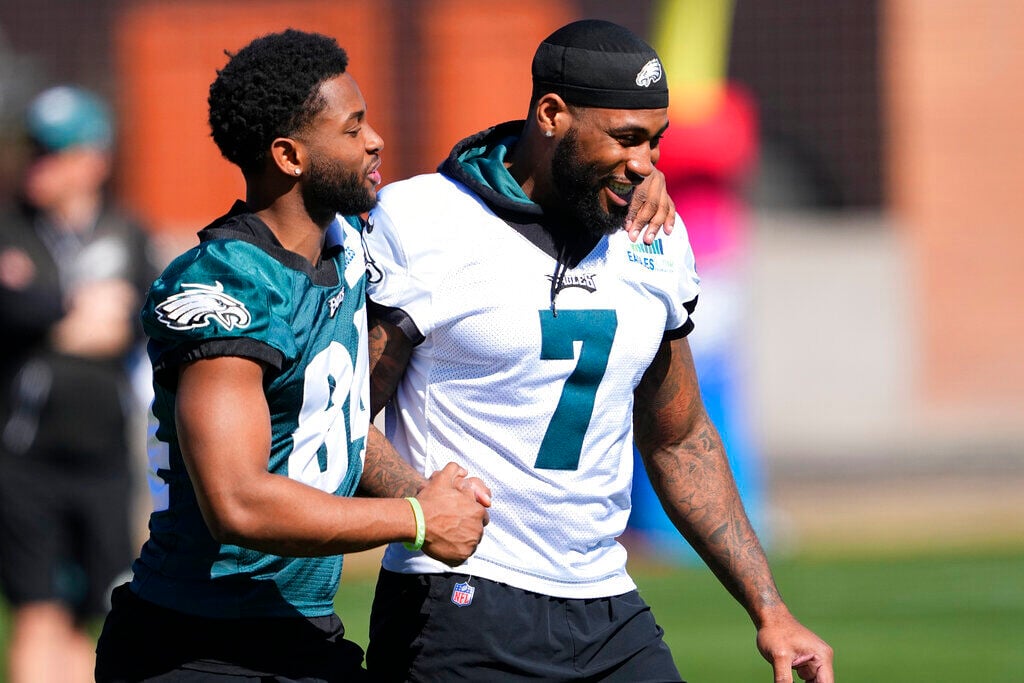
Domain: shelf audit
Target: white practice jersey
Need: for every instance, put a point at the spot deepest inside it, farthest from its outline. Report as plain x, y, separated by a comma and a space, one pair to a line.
525, 376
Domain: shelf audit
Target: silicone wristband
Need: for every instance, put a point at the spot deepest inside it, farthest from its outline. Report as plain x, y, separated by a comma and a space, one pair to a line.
421, 525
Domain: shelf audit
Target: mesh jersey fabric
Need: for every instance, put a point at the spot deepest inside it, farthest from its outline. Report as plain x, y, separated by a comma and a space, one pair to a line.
526, 384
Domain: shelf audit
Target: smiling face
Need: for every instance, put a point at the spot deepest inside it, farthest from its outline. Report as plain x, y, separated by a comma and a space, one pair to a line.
342, 151
601, 159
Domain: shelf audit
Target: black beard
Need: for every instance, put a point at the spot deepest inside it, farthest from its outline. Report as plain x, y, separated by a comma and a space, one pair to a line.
332, 189
578, 185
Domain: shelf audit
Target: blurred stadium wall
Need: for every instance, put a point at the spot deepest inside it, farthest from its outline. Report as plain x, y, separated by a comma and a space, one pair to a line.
884, 323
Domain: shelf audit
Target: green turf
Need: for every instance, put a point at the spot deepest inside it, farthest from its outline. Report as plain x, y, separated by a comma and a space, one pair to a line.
938, 618
926, 619
930, 618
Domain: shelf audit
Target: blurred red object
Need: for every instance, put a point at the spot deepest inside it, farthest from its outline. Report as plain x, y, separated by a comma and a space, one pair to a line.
723, 146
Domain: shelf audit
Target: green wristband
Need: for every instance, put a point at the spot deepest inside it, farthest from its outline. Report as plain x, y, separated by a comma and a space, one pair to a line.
421, 525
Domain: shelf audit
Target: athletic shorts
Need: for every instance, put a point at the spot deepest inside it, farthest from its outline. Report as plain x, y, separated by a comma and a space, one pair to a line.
142, 641
63, 537
449, 627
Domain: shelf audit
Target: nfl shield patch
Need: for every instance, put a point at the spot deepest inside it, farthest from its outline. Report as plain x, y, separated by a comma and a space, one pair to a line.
462, 594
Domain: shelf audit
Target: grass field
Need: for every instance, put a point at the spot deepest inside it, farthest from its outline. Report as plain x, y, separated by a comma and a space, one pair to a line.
928, 618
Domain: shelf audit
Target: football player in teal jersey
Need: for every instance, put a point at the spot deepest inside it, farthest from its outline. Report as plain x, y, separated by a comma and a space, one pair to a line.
259, 350
525, 336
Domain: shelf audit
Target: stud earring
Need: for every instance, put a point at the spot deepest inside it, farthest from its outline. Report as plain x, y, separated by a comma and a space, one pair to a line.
549, 134
298, 171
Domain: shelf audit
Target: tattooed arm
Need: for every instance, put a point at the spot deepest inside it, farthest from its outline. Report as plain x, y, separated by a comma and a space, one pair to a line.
690, 472
385, 473
390, 351
688, 467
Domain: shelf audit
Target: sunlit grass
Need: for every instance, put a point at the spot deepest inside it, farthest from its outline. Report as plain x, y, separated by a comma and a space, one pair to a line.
928, 617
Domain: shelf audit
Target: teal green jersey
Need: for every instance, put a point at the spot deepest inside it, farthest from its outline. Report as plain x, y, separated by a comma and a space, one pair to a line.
239, 293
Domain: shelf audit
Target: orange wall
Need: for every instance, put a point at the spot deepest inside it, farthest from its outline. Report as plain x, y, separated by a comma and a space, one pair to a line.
464, 65
167, 56
956, 165
477, 67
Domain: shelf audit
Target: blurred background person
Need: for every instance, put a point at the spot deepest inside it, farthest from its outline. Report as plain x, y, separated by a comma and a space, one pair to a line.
73, 270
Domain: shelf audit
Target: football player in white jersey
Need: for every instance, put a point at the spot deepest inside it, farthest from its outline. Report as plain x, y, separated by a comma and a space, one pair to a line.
517, 330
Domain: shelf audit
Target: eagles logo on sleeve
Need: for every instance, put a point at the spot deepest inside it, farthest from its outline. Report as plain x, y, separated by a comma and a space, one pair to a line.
198, 305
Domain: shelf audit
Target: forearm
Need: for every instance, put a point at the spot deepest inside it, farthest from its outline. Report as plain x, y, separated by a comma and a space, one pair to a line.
389, 352
695, 482
275, 514
385, 473
688, 468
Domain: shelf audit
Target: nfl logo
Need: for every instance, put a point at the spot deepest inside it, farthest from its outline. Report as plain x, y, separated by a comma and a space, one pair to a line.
462, 594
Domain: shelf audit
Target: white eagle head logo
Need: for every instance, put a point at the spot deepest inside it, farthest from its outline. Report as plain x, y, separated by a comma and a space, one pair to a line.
650, 73
198, 304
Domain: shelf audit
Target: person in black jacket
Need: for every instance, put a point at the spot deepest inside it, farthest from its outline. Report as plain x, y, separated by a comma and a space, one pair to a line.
73, 271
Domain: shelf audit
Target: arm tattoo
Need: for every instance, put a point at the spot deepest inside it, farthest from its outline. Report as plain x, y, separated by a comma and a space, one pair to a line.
385, 474
688, 467
389, 354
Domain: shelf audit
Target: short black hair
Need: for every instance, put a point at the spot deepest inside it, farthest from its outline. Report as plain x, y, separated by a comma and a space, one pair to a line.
269, 89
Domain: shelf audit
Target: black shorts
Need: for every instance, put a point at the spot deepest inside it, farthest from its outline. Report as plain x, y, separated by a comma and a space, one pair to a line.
141, 641
419, 632
63, 536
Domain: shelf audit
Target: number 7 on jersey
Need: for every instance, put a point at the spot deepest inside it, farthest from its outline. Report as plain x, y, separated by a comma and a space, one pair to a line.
595, 329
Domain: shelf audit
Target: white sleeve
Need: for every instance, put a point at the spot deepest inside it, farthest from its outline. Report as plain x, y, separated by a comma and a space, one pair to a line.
391, 282
687, 287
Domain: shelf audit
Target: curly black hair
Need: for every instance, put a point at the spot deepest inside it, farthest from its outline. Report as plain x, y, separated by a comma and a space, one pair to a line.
269, 89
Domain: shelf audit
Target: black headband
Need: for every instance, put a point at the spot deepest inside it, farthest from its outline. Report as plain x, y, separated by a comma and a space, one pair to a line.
593, 63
